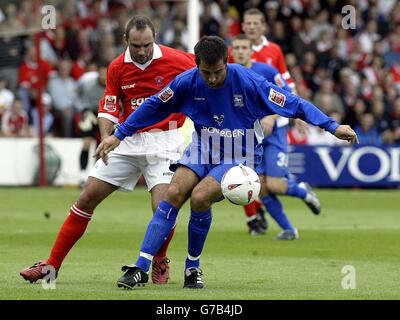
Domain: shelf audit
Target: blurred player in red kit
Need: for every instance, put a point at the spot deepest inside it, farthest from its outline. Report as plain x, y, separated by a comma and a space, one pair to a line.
265, 51
141, 71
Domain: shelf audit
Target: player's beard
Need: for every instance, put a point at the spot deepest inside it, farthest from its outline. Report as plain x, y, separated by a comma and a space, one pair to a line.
142, 59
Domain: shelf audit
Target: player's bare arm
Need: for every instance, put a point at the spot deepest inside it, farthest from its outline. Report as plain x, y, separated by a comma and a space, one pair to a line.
106, 128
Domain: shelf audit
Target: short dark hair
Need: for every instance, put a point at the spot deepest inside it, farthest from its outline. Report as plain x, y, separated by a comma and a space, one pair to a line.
211, 49
140, 23
241, 36
254, 12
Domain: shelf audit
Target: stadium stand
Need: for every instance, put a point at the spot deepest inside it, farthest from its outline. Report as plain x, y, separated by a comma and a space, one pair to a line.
347, 71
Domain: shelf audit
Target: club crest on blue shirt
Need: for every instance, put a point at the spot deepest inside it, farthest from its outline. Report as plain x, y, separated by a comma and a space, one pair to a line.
277, 97
219, 119
166, 94
238, 100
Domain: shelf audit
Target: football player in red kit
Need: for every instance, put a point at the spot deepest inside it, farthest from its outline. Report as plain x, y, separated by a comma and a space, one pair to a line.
141, 71
264, 51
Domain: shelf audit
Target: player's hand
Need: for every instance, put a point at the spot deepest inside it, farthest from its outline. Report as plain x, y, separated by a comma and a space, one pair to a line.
345, 132
106, 146
267, 124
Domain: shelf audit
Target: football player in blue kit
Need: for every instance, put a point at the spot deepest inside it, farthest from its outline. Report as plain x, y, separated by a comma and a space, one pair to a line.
225, 103
273, 170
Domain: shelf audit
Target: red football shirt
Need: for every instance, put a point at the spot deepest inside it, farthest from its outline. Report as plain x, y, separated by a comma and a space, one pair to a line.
131, 83
271, 53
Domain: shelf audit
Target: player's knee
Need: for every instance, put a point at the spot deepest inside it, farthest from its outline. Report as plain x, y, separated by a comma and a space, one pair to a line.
276, 186
271, 186
86, 201
200, 201
175, 196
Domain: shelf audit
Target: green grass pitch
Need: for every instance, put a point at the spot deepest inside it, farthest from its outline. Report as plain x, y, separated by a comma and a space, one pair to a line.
357, 228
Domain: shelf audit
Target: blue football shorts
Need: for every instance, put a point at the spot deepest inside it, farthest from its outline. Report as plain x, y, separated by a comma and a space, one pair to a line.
274, 161
192, 159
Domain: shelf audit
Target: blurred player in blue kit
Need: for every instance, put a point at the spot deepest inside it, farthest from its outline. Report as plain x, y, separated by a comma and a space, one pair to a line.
273, 170
225, 103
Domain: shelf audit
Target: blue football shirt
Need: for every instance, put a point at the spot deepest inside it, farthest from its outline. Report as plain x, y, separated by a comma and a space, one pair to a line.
229, 113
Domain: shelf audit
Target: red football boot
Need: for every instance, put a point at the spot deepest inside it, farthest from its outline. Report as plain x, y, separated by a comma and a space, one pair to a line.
160, 270
38, 271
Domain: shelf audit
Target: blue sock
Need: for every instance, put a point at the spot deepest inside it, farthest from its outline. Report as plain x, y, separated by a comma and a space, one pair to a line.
198, 228
157, 232
275, 209
294, 190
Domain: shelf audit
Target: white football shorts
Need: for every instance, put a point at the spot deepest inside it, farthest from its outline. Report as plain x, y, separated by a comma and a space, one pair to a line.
147, 153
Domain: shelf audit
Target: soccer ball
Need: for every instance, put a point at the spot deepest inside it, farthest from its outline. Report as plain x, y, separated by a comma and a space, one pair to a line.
240, 185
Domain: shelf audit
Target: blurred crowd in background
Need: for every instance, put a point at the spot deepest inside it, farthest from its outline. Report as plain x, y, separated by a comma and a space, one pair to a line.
351, 74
